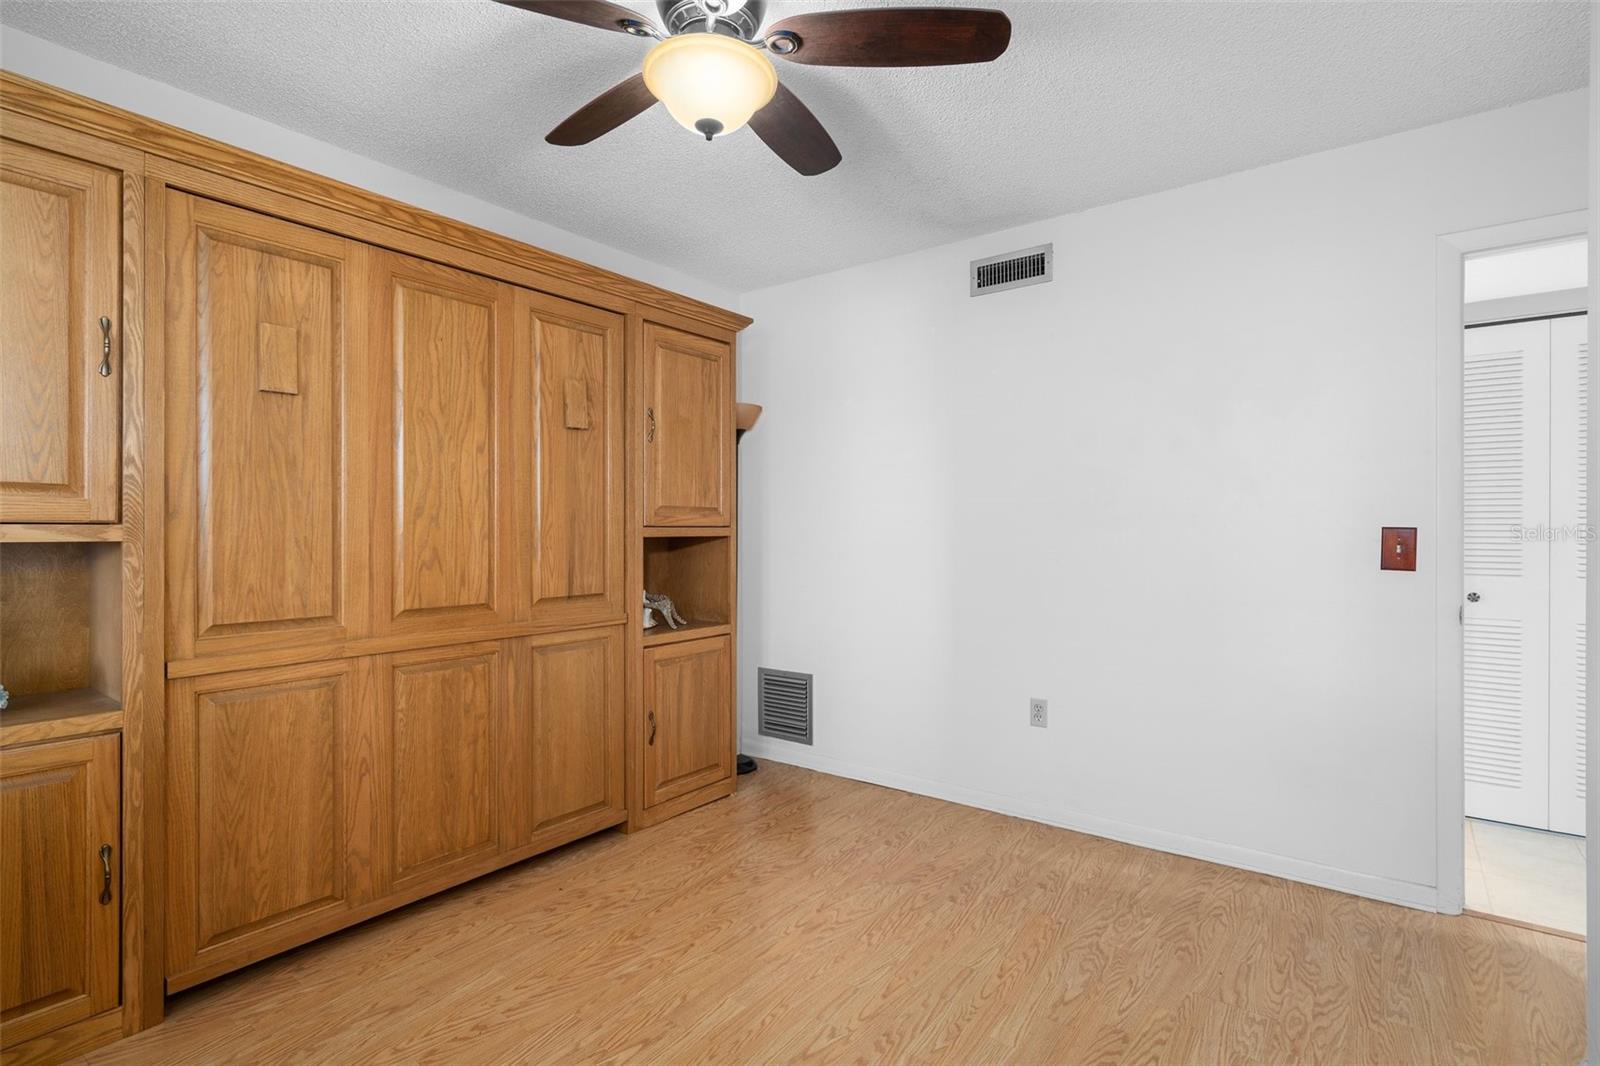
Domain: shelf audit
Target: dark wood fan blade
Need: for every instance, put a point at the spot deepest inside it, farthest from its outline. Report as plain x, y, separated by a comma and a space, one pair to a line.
894, 37
596, 13
604, 113
791, 130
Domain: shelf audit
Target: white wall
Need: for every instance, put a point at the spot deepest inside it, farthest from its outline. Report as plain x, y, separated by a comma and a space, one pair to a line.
1150, 492
1592, 793
33, 57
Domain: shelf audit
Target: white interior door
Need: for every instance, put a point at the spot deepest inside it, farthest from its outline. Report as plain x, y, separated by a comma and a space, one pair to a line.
1569, 518
1506, 619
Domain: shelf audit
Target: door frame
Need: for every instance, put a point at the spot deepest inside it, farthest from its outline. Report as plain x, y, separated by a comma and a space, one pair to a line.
1452, 250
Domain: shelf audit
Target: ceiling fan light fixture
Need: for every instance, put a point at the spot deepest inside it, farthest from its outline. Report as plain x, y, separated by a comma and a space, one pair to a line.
709, 81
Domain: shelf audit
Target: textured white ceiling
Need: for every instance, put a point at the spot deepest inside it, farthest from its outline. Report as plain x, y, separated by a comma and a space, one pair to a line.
1094, 102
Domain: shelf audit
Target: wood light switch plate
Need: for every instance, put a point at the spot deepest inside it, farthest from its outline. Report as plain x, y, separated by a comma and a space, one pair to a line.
1399, 548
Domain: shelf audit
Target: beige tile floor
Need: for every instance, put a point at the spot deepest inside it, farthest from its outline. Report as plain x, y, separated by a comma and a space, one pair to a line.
1526, 874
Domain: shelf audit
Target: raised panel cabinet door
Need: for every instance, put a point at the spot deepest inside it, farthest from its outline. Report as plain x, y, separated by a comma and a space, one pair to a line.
60, 884
268, 772
441, 786
441, 427
269, 465
688, 429
688, 721
563, 773
570, 459
60, 254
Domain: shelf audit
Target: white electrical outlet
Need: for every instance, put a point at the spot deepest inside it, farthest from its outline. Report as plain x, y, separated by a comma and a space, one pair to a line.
1039, 713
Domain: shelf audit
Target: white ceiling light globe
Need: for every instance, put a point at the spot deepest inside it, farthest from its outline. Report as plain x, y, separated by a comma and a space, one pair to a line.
710, 83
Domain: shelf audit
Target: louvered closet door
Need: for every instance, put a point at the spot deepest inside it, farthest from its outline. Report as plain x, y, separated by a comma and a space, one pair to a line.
1569, 518
1506, 622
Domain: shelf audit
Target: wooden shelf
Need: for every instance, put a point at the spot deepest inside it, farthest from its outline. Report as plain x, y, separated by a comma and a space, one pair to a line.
65, 533
687, 531
54, 715
690, 631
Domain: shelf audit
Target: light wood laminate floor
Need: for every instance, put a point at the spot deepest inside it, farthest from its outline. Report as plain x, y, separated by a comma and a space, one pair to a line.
814, 918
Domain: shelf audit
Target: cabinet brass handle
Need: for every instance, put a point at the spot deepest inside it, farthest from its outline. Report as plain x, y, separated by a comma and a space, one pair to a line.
649, 425
105, 346
105, 867
652, 717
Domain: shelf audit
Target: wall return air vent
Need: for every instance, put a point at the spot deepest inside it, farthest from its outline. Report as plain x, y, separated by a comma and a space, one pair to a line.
783, 705
1013, 270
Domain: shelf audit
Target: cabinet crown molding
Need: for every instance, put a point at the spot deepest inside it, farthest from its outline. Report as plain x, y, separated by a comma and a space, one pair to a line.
36, 99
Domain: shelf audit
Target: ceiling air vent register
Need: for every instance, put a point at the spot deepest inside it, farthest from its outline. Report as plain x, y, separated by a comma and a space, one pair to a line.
1013, 270
783, 705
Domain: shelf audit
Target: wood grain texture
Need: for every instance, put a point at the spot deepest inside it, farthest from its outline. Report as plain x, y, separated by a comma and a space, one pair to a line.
57, 716
444, 745
441, 426
44, 626
689, 433
696, 572
268, 541
53, 533
58, 806
60, 256
37, 100
269, 809
811, 918
688, 717
569, 488
563, 764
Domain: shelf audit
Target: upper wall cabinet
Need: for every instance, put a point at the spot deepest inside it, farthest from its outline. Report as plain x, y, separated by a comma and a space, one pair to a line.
569, 459
441, 414
688, 428
60, 241
266, 442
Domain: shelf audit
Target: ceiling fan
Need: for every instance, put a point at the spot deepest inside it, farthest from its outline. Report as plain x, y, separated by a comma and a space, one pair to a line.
710, 65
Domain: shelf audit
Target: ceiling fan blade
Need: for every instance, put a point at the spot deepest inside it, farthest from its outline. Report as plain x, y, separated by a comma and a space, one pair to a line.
894, 37
604, 113
790, 129
596, 13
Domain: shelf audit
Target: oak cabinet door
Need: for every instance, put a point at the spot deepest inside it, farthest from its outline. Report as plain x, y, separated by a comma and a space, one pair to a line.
688, 728
688, 429
440, 787
60, 255
441, 423
266, 448
563, 774
268, 775
570, 454
60, 884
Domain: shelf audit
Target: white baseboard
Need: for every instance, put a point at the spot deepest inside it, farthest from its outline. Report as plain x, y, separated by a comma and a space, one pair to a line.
1389, 890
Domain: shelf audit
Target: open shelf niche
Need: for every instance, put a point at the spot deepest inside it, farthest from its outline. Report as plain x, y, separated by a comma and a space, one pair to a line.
60, 635
697, 573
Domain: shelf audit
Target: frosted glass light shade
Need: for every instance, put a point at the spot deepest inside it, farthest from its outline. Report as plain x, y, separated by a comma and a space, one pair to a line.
710, 83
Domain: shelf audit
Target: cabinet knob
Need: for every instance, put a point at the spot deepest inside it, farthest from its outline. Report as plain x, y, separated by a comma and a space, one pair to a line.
105, 348
105, 867
649, 425
652, 718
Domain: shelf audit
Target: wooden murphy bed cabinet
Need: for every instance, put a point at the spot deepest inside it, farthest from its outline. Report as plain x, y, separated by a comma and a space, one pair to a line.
327, 596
